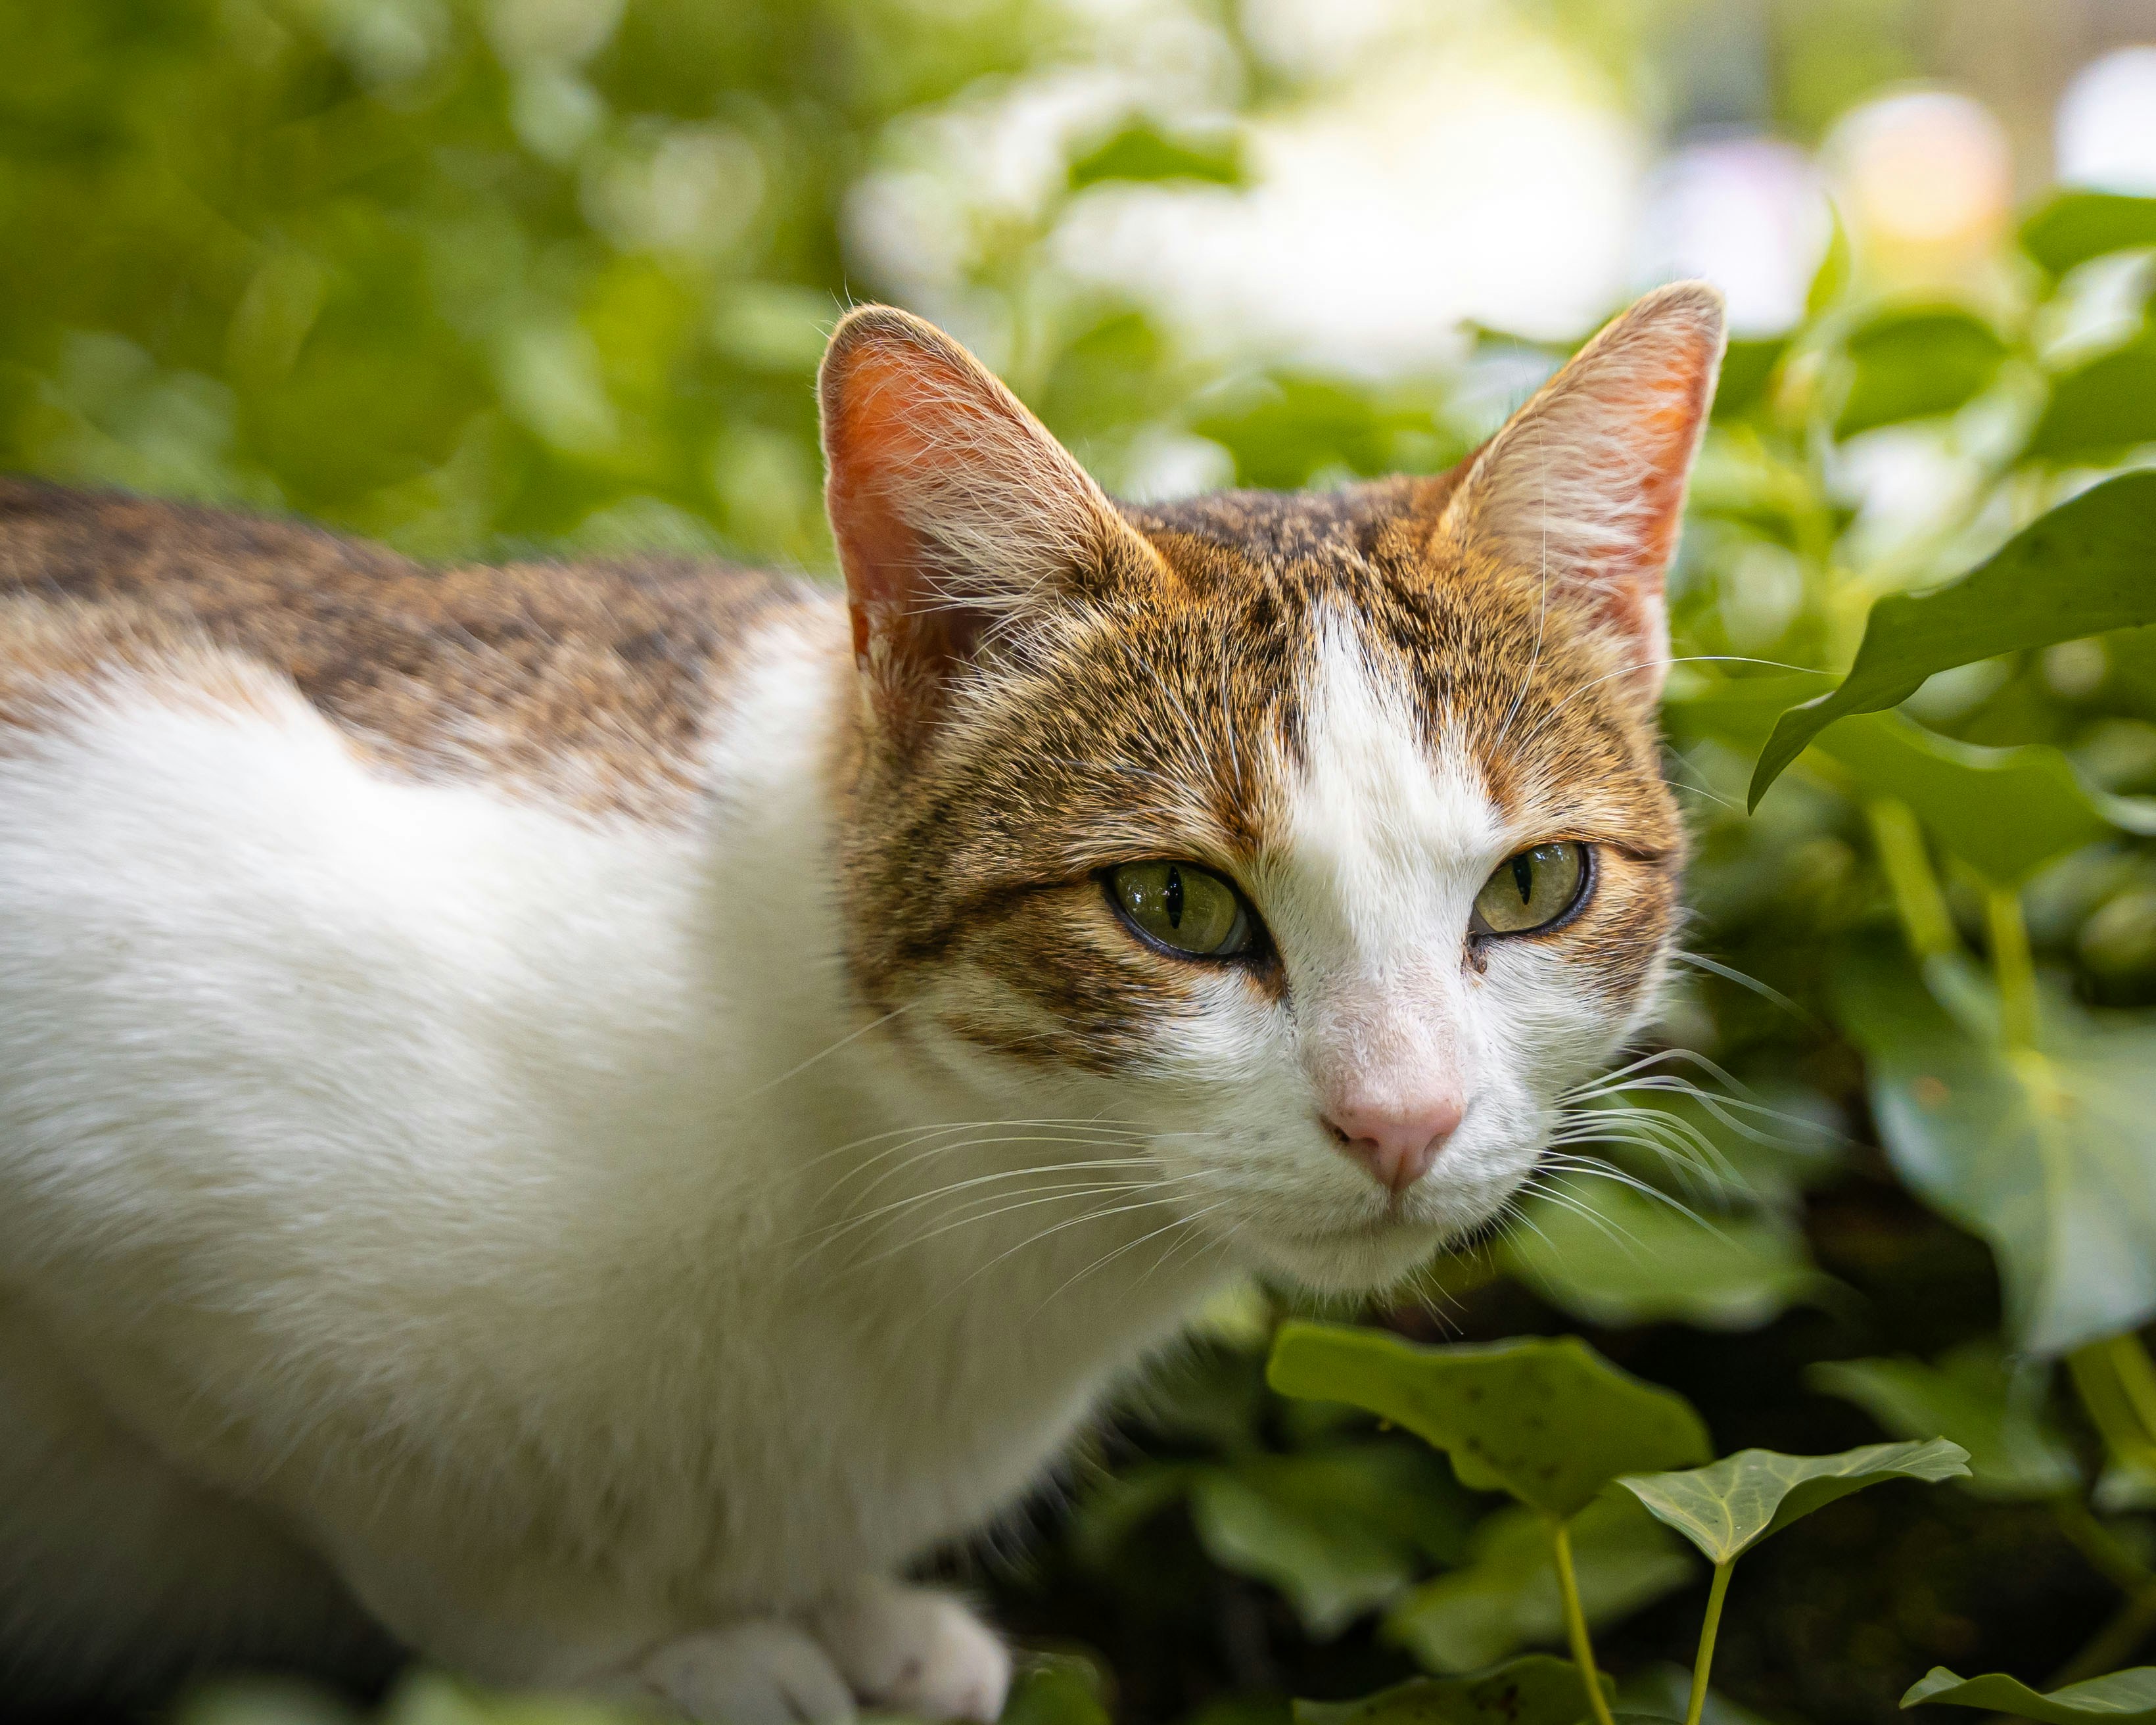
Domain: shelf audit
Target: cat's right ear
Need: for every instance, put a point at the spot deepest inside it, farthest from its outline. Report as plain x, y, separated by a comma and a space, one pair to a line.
954, 509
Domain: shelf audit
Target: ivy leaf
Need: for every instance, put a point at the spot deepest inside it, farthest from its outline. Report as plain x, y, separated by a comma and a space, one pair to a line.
1610, 1255
1506, 1596
2123, 1698
2049, 1154
2086, 567
1974, 1397
1550, 1421
2100, 407
2075, 226
1916, 362
1536, 1690
1729, 1506
1957, 788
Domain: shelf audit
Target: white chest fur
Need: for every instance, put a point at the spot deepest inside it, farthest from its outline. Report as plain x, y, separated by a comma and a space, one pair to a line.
440, 1175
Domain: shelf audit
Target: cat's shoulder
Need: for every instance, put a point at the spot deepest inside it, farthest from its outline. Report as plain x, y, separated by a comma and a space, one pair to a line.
595, 682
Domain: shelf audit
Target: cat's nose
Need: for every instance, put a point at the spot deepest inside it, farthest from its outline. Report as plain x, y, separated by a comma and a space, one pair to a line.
1396, 1139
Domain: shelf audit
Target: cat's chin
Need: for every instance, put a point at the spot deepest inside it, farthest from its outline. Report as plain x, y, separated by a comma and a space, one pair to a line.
1361, 1258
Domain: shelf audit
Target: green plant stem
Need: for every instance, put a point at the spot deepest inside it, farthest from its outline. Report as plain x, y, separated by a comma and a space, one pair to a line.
1707, 1630
2106, 1556
1918, 901
1575, 1619
2137, 1377
2130, 1625
2011, 967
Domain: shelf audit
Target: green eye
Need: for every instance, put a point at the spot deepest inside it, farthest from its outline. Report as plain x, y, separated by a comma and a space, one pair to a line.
1185, 908
1533, 889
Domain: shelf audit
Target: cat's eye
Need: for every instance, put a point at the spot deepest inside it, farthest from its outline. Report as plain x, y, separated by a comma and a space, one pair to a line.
1187, 909
1538, 887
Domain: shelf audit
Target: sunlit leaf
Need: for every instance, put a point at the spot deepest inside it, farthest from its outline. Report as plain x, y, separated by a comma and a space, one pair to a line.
1506, 1596
1729, 1506
1974, 1397
2101, 407
1144, 152
2048, 1153
1958, 790
1550, 1421
2085, 568
1609, 1255
2075, 226
1747, 366
2123, 1698
1909, 363
1536, 1690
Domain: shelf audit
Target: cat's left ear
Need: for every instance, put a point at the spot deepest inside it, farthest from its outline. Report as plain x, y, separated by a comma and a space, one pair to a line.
955, 509
1585, 484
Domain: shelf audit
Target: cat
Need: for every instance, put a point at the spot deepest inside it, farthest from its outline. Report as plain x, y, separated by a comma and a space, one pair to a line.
577, 1121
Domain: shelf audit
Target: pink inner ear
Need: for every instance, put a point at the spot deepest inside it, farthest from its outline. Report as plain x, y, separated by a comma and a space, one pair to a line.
1586, 483
881, 430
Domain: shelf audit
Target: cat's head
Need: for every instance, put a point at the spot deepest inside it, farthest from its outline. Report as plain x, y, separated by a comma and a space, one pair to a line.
1321, 837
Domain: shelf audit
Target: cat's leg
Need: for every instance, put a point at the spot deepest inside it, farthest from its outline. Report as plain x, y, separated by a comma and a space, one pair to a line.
759, 1672
917, 1650
908, 1650
117, 1571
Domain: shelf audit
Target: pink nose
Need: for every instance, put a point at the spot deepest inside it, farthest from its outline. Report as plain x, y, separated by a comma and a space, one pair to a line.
1396, 1140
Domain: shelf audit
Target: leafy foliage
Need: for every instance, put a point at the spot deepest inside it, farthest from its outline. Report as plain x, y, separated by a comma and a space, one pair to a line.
1552, 1422
1534, 1690
2039, 1149
2080, 570
1729, 1506
2124, 1697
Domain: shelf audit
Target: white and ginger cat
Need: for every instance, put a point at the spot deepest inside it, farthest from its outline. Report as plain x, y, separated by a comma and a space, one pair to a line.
577, 1119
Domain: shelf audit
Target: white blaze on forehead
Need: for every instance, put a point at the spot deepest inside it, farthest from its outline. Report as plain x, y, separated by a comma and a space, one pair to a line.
1389, 837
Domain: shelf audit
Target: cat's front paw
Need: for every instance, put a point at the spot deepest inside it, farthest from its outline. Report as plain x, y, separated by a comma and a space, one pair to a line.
915, 1651
761, 1672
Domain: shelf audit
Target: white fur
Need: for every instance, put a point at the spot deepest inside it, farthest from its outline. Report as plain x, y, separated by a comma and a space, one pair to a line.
1369, 907
505, 1221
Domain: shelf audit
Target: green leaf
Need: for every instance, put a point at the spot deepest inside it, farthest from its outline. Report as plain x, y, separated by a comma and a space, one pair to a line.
2087, 567
2101, 407
1536, 1690
1550, 1421
2123, 1698
1973, 1396
1506, 1596
2075, 226
1338, 1531
2049, 1154
1662, 1690
1747, 366
1056, 1689
1610, 1254
1913, 362
1144, 152
1958, 789
1728, 1507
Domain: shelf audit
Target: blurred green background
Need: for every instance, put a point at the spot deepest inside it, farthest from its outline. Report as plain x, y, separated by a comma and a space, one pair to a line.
482, 277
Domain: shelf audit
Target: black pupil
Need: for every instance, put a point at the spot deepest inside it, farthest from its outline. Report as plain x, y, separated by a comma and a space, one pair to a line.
1523, 877
1173, 898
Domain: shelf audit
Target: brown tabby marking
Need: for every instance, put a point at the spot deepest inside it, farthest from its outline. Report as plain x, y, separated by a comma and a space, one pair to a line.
591, 683
1148, 722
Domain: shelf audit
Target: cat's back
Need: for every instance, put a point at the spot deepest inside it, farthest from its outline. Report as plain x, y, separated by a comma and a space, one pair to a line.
594, 684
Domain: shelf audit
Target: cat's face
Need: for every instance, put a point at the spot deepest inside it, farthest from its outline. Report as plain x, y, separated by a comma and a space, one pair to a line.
1322, 837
